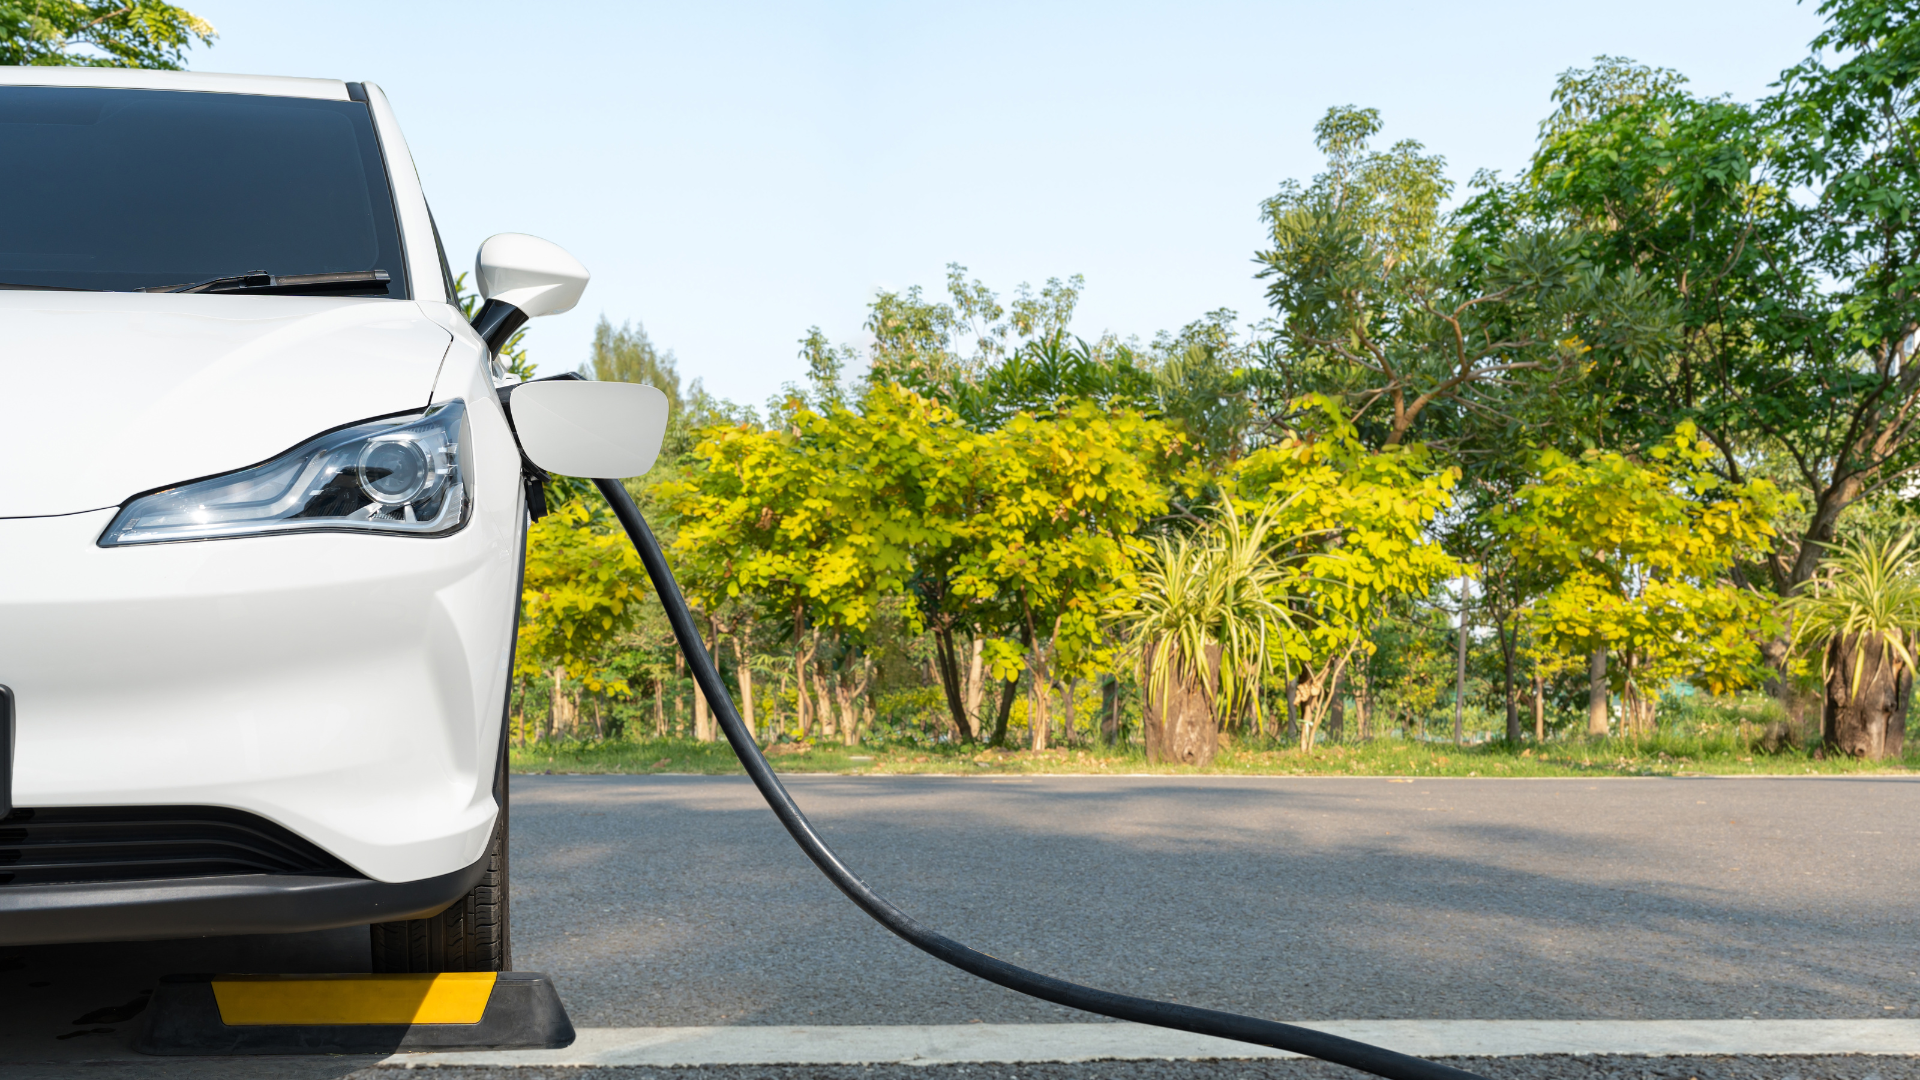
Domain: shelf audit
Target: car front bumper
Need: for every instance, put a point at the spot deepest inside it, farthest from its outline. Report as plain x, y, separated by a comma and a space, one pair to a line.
349, 688
220, 905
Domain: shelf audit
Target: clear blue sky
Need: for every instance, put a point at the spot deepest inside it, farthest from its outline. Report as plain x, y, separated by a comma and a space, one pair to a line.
735, 173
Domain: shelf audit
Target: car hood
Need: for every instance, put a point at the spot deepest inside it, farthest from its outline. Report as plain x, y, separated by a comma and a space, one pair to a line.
105, 395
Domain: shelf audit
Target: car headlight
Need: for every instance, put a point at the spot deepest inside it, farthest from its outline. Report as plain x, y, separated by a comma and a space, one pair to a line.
406, 475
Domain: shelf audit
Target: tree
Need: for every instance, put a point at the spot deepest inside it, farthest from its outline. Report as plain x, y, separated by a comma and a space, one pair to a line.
1204, 629
628, 355
99, 33
1051, 543
1783, 235
1641, 550
1352, 527
1865, 606
1203, 382
819, 522
1385, 302
583, 589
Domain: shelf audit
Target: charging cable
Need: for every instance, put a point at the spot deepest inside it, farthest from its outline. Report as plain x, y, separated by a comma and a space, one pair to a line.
1298, 1040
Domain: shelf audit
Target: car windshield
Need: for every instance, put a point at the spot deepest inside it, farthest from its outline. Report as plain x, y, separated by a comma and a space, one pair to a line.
132, 189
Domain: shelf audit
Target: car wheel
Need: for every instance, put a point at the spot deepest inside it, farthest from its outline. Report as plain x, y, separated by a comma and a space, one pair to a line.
471, 935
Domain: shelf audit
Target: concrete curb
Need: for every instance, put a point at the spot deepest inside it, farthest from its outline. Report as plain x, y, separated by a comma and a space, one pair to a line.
962, 1043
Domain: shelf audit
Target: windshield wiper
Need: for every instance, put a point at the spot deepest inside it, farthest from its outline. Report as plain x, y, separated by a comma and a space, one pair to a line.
49, 288
259, 282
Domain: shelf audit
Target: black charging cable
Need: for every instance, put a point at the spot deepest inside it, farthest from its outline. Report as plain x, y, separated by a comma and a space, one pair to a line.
1299, 1040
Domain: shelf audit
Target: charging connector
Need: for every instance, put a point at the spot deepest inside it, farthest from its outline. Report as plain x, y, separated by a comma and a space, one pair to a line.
1247, 1029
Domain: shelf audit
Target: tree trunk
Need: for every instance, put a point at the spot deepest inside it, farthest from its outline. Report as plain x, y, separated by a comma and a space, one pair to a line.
1337, 711
745, 676
976, 682
803, 704
1539, 705
1509, 644
1460, 671
1317, 694
1008, 691
1872, 722
1038, 720
1109, 710
557, 704
1067, 718
850, 698
659, 708
947, 665
844, 694
679, 665
706, 730
1636, 706
1597, 693
823, 701
702, 725
1179, 724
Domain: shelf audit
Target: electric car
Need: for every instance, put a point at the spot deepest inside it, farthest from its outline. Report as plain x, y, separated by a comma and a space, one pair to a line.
262, 521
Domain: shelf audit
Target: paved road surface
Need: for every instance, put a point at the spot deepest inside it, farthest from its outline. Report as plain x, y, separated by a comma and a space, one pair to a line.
676, 901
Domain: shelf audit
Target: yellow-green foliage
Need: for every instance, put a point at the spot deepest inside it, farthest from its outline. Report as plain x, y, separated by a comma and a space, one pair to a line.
826, 517
1063, 495
583, 586
1358, 519
1640, 549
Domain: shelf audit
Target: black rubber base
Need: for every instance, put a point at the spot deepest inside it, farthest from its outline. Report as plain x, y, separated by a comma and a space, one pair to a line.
523, 1013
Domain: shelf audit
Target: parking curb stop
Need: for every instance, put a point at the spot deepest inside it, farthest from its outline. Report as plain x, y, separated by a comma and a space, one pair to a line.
193, 1015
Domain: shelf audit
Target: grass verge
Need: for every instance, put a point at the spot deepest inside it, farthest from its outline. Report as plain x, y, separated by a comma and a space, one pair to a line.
1727, 754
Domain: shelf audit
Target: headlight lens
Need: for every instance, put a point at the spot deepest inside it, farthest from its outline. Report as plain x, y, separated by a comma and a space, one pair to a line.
404, 475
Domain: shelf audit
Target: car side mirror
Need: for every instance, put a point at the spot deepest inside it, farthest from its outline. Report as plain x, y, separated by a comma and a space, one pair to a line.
523, 277
598, 430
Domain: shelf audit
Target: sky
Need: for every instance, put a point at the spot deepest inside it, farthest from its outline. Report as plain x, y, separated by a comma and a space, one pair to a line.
733, 174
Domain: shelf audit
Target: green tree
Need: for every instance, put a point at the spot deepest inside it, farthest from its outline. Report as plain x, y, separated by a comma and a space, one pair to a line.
1052, 543
628, 355
1642, 551
1354, 529
99, 33
1205, 629
1386, 301
583, 590
818, 523
1865, 608
1784, 234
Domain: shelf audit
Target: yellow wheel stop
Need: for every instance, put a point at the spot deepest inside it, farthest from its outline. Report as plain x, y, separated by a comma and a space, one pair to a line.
451, 998
353, 1014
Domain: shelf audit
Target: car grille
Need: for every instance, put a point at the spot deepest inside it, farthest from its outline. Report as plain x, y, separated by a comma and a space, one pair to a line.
66, 845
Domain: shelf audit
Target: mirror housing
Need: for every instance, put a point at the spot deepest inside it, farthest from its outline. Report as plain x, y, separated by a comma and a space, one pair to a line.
598, 430
523, 277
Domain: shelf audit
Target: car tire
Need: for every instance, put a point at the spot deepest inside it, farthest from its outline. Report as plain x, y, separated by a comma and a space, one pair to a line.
471, 935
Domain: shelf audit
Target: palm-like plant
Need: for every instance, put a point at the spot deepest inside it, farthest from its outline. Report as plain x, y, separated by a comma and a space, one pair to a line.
1864, 607
1204, 625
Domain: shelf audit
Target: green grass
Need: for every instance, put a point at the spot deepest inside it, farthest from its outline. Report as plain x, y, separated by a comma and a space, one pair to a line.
1720, 752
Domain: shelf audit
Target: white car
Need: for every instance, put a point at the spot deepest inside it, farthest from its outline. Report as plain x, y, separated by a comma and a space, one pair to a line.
262, 520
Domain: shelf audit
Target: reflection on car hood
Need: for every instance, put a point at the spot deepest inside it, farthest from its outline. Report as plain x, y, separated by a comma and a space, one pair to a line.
104, 395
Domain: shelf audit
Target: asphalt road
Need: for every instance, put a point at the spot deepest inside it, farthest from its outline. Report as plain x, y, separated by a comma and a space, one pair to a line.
678, 901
